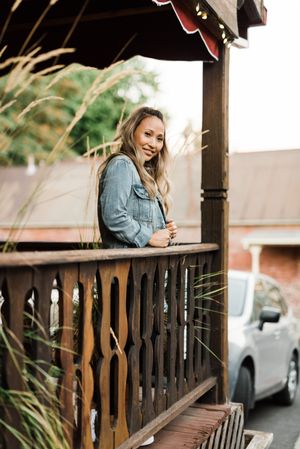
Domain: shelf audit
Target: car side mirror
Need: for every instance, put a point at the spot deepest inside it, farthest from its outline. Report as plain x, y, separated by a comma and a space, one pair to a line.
268, 315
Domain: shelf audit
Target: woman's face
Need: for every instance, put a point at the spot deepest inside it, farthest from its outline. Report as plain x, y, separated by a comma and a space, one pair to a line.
149, 137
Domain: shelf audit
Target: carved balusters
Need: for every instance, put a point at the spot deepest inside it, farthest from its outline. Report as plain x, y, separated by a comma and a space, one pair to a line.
203, 311
86, 279
112, 366
180, 353
107, 275
171, 332
147, 281
134, 415
69, 277
210, 318
190, 332
140, 348
17, 283
143, 311
43, 282
198, 320
121, 330
159, 302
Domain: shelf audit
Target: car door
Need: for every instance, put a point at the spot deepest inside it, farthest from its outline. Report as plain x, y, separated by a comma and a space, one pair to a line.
280, 330
265, 342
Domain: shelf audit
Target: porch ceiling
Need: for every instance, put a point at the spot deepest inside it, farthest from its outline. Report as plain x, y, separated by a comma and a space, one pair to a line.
108, 30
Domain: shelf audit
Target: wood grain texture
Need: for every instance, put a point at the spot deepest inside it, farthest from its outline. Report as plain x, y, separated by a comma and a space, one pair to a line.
17, 285
167, 416
204, 427
43, 279
171, 332
86, 279
75, 256
134, 360
226, 11
160, 335
214, 211
69, 278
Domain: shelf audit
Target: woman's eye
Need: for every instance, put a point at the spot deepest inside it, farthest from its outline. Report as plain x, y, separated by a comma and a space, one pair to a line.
147, 134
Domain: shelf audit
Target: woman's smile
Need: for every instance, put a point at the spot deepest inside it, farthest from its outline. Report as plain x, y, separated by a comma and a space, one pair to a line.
148, 152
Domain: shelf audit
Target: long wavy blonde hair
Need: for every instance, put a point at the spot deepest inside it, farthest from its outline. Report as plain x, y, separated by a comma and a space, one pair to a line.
153, 173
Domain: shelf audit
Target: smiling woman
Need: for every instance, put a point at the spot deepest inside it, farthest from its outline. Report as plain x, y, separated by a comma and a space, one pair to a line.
134, 188
149, 137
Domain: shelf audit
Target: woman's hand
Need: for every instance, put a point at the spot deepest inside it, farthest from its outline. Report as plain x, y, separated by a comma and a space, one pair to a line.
160, 238
171, 226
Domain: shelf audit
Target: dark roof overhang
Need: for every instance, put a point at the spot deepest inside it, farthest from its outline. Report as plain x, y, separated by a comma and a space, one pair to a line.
104, 31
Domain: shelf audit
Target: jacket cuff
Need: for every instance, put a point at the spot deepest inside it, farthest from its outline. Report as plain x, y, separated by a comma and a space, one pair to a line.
143, 236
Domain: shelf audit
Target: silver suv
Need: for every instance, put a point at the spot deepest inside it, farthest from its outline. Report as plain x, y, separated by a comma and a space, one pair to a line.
263, 341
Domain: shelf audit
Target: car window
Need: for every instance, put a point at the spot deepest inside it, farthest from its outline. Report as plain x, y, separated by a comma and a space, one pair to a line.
259, 300
275, 298
236, 296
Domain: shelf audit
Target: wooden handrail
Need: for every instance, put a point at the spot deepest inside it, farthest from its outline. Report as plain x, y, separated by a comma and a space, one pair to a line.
32, 258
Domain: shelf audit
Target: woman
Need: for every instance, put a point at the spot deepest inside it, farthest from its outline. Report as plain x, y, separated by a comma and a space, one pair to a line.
133, 186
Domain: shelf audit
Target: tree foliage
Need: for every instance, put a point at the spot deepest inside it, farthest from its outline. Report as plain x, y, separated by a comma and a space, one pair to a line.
35, 113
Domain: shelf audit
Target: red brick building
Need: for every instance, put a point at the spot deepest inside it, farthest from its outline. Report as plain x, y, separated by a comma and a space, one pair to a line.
264, 233
264, 213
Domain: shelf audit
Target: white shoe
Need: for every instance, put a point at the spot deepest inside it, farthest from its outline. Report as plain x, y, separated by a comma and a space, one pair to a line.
150, 440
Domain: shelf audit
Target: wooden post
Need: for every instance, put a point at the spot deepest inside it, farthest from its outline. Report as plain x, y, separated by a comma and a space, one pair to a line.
214, 210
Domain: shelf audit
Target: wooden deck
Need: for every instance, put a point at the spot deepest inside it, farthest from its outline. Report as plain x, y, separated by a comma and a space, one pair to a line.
203, 426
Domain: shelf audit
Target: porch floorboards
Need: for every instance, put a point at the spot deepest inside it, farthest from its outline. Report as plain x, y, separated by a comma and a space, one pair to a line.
201, 426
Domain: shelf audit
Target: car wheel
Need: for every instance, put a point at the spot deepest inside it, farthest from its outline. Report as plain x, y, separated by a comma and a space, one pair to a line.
287, 395
244, 390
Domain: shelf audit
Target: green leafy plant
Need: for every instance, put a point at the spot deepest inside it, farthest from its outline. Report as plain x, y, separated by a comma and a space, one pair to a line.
36, 108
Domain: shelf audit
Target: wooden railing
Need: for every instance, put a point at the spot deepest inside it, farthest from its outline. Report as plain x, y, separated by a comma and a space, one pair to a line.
133, 340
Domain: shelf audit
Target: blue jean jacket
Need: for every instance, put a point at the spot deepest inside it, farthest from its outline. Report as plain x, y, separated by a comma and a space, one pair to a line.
127, 215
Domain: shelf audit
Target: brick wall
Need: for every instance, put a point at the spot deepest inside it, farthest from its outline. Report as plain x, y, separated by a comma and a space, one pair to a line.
239, 259
282, 263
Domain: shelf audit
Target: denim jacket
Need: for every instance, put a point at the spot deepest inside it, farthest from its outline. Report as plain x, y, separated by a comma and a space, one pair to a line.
127, 215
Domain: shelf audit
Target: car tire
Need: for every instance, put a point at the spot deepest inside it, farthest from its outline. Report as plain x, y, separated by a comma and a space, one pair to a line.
244, 390
287, 395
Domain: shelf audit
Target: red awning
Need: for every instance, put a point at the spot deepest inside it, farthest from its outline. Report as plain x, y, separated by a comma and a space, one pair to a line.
191, 25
